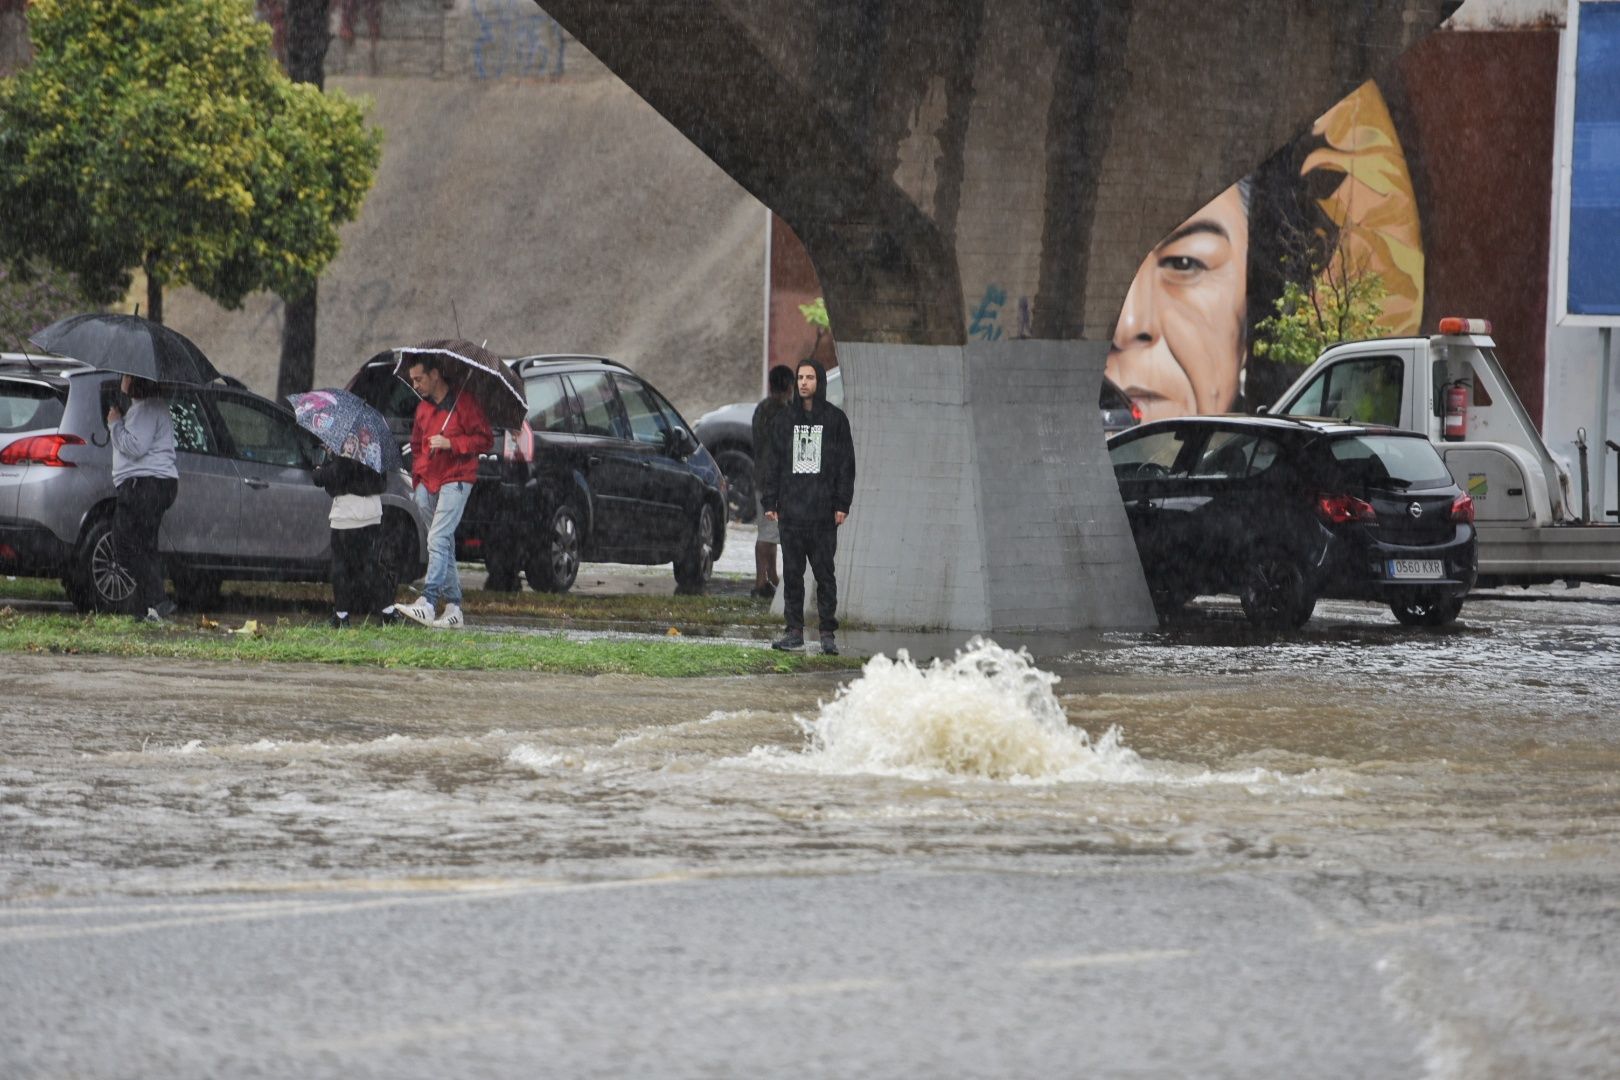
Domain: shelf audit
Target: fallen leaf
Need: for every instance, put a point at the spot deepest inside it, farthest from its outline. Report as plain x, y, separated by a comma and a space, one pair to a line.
672, 632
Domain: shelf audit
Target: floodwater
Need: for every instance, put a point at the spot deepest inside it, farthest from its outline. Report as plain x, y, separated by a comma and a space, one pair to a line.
1449, 802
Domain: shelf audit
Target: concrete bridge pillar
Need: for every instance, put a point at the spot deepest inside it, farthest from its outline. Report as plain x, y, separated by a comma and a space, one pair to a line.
974, 506
977, 182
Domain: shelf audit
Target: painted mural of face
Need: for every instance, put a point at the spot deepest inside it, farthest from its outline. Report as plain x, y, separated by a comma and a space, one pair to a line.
1179, 344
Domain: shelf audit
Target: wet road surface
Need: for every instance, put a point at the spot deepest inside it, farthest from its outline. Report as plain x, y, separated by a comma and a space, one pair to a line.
1356, 850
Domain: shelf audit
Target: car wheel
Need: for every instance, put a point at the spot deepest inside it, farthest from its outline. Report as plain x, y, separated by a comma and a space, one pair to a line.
1274, 592
738, 467
1426, 609
103, 583
1170, 598
693, 569
503, 560
196, 590
554, 564
397, 556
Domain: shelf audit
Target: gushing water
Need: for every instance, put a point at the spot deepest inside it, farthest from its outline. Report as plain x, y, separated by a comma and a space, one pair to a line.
986, 713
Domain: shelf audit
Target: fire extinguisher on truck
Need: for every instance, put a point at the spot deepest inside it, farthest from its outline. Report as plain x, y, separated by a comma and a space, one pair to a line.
1457, 410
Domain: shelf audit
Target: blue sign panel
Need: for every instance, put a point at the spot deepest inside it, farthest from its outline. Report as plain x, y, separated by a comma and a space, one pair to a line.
1594, 203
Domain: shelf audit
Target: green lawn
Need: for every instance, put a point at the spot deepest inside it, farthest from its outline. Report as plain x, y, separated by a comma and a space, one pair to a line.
397, 646
568, 609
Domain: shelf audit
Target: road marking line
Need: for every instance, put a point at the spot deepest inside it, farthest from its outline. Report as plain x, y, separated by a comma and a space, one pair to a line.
1405, 926
19, 934
1141, 956
784, 991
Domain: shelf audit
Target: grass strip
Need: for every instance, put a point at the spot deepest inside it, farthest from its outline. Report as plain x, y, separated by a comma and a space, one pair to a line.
395, 647
662, 610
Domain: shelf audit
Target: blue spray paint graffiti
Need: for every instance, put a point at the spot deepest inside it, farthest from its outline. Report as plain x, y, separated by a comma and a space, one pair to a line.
522, 45
988, 314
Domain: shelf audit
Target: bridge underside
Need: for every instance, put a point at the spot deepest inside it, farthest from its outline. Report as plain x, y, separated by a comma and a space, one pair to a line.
931, 154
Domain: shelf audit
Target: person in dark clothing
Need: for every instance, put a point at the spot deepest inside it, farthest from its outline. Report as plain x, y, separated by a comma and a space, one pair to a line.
808, 488
780, 382
356, 520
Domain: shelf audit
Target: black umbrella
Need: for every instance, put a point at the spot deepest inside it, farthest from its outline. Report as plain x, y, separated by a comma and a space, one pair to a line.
128, 344
488, 377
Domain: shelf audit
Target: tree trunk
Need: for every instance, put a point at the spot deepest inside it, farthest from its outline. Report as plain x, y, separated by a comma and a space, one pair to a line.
297, 346
154, 289
307, 35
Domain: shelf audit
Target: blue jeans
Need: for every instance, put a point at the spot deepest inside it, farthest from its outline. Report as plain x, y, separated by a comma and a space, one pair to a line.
445, 508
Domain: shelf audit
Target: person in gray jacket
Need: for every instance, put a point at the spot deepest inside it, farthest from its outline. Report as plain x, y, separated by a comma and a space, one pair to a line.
147, 481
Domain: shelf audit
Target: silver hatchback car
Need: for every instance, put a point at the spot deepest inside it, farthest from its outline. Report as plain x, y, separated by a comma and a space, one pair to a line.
247, 506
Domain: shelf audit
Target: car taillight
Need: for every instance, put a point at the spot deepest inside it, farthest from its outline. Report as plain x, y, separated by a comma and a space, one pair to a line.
40, 450
1338, 509
1462, 509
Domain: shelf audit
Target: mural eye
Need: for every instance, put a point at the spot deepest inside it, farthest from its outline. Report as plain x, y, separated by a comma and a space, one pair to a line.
1182, 264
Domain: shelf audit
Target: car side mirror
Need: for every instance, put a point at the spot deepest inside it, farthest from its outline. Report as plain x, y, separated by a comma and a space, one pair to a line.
680, 443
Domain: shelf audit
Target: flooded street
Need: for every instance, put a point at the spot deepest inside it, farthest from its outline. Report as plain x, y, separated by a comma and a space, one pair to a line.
1357, 850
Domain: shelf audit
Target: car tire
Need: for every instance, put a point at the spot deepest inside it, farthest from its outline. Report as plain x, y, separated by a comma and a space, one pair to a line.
1170, 599
101, 582
1426, 609
554, 563
503, 560
196, 590
738, 467
696, 564
1275, 593
398, 558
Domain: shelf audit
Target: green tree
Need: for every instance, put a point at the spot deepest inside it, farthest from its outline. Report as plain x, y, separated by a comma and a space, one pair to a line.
1341, 301
161, 134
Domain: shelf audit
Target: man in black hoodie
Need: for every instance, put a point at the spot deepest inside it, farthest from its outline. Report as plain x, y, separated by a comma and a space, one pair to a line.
808, 488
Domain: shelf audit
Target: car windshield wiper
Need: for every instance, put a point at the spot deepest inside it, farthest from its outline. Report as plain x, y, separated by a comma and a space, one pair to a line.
1397, 482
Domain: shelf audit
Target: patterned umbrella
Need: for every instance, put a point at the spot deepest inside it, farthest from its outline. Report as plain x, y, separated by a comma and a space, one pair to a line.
348, 427
489, 378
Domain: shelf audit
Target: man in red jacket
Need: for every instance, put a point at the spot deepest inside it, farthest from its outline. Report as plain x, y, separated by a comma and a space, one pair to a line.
448, 434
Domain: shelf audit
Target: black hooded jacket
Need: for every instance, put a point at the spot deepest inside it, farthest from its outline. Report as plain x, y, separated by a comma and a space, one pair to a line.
346, 476
812, 459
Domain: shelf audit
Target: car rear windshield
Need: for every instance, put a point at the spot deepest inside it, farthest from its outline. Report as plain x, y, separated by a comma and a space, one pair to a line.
1389, 460
29, 406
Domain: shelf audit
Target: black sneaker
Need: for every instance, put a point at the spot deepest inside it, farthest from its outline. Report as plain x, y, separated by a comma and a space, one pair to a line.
793, 639
829, 646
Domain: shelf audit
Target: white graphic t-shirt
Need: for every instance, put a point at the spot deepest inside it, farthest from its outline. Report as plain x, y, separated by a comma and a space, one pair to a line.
807, 448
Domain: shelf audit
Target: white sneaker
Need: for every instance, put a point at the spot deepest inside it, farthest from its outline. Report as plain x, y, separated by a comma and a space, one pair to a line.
451, 619
418, 610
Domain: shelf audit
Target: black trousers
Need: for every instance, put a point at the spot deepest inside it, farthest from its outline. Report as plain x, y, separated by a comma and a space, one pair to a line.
137, 515
816, 544
356, 578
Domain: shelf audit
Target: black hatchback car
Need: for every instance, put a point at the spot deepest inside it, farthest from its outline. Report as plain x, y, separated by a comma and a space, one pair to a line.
605, 471
1282, 511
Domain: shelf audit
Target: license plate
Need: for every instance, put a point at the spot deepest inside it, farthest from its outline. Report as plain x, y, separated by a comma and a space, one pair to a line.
1416, 568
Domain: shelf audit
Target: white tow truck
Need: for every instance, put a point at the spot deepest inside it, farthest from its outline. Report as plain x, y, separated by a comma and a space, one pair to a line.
1451, 388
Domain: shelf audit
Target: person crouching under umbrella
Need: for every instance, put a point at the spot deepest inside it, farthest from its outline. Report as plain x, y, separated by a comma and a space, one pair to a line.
356, 520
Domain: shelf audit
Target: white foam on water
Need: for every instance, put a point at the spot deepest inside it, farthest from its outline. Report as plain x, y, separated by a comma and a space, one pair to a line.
525, 756
987, 714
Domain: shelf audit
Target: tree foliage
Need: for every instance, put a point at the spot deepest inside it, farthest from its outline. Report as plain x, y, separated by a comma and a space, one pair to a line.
160, 134
1341, 301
